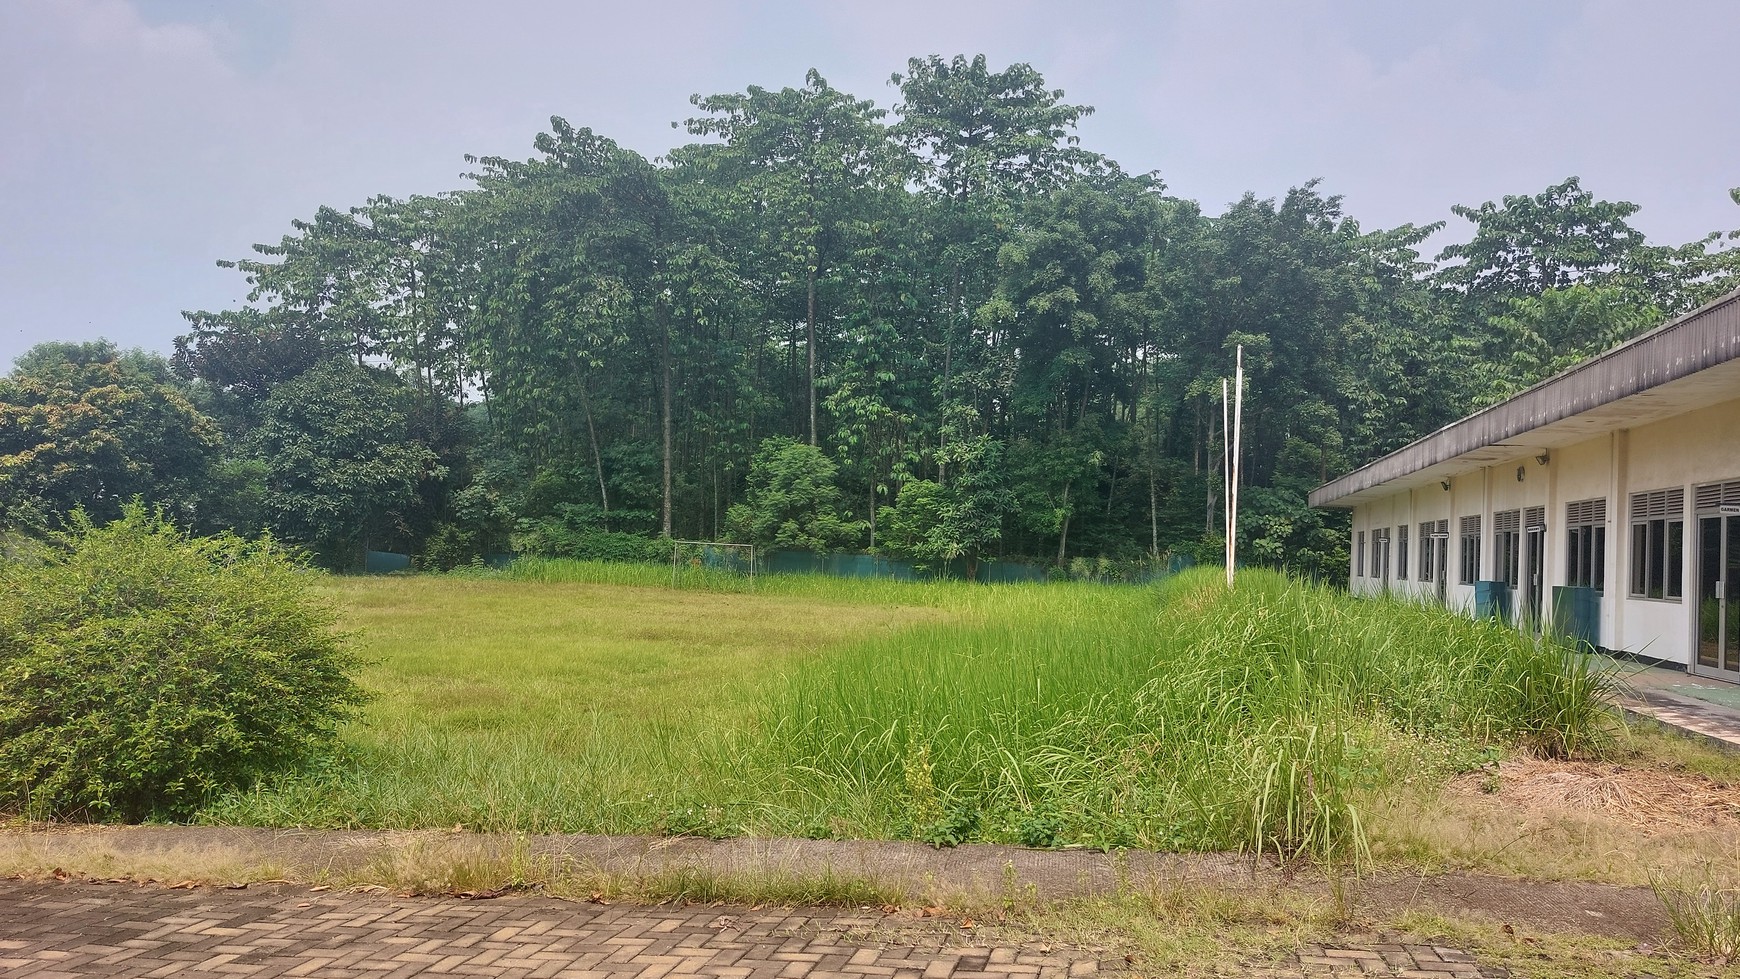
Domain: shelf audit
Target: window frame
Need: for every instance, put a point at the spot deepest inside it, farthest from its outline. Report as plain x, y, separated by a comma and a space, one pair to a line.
1657, 519
1586, 544
1468, 565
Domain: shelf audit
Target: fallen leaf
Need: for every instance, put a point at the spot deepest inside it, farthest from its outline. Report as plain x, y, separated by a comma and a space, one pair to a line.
317, 890
890, 908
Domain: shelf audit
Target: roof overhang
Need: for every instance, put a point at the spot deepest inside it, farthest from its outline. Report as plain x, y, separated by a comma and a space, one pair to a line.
1688, 363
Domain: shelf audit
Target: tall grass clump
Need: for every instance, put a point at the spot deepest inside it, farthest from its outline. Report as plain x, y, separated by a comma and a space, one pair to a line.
1185, 716
1704, 910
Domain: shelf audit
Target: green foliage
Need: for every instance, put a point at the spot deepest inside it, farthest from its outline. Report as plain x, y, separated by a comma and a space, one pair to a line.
91, 426
343, 470
142, 671
792, 501
916, 526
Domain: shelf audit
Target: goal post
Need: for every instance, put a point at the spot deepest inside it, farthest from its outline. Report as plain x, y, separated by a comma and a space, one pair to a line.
716, 556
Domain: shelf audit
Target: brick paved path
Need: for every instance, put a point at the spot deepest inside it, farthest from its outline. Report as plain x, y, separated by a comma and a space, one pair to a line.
78, 929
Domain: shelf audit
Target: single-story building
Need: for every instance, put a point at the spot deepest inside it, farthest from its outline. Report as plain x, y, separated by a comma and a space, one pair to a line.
1604, 501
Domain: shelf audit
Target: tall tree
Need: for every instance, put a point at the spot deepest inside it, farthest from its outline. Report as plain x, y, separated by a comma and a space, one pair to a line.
807, 162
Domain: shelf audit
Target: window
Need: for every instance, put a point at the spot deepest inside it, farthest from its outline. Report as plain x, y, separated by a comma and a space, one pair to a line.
1470, 528
1658, 531
1433, 539
1402, 553
1507, 545
1359, 556
1380, 553
1586, 544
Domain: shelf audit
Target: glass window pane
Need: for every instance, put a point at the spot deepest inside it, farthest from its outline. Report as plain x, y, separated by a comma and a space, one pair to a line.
1675, 558
1598, 559
1639, 557
1654, 550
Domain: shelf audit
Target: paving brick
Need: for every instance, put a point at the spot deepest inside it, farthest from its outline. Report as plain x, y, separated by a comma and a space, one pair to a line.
116, 930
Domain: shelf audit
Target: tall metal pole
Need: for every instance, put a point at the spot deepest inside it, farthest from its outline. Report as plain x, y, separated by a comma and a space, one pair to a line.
1226, 502
1238, 431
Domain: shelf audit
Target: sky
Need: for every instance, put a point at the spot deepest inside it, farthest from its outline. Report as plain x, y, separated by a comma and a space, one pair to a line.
143, 140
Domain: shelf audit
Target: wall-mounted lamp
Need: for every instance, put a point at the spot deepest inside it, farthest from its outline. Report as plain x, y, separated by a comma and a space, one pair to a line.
1445, 483
1521, 471
1544, 458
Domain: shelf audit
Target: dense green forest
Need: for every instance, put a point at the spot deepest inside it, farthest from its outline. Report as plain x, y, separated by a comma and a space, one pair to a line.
942, 330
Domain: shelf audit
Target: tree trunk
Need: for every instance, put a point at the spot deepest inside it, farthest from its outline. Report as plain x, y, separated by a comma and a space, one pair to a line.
1063, 535
1154, 515
812, 339
597, 456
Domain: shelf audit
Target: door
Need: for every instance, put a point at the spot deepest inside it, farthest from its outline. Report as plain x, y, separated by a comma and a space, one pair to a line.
1441, 549
1537, 566
1718, 647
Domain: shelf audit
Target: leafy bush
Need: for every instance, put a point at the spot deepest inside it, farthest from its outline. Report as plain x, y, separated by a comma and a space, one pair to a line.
792, 501
551, 537
141, 669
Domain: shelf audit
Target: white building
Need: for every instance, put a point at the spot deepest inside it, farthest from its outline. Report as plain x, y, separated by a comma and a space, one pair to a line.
1605, 500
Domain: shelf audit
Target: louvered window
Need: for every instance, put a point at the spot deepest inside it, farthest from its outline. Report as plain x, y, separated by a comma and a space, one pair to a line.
1470, 556
1658, 533
1359, 556
1586, 544
1402, 553
1714, 497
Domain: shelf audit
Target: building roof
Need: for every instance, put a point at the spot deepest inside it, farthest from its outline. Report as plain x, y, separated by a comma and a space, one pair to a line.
1686, 363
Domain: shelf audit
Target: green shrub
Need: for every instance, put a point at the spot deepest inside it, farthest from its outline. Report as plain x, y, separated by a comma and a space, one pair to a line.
142, 670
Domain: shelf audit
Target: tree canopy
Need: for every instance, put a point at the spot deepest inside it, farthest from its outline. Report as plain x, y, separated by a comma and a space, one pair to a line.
944, 329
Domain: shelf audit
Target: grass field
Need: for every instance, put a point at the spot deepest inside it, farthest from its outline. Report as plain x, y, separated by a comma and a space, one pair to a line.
597, 698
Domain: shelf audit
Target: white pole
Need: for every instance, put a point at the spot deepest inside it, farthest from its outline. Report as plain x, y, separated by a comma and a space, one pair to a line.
1238, 431
1226, 478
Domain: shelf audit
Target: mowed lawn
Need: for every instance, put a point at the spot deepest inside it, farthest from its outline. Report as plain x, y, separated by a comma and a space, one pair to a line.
509, 704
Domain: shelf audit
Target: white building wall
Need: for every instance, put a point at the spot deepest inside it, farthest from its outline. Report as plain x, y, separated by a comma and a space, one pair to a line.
1683, 452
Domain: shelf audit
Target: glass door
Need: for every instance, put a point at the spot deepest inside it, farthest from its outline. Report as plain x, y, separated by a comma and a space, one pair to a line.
1718, 647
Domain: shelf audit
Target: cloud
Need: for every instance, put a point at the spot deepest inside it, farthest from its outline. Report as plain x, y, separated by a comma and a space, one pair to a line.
142, 146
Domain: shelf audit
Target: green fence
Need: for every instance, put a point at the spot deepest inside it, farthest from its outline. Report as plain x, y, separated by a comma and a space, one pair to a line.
992, 572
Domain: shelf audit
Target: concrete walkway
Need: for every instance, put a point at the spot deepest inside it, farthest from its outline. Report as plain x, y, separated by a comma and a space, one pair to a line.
52, 930
1709, 709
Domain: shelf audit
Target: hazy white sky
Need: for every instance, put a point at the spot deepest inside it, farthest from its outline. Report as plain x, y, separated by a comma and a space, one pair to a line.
140, 140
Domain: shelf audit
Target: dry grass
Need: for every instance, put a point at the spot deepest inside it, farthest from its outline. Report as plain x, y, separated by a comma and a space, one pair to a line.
1651, 800
1654, 804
